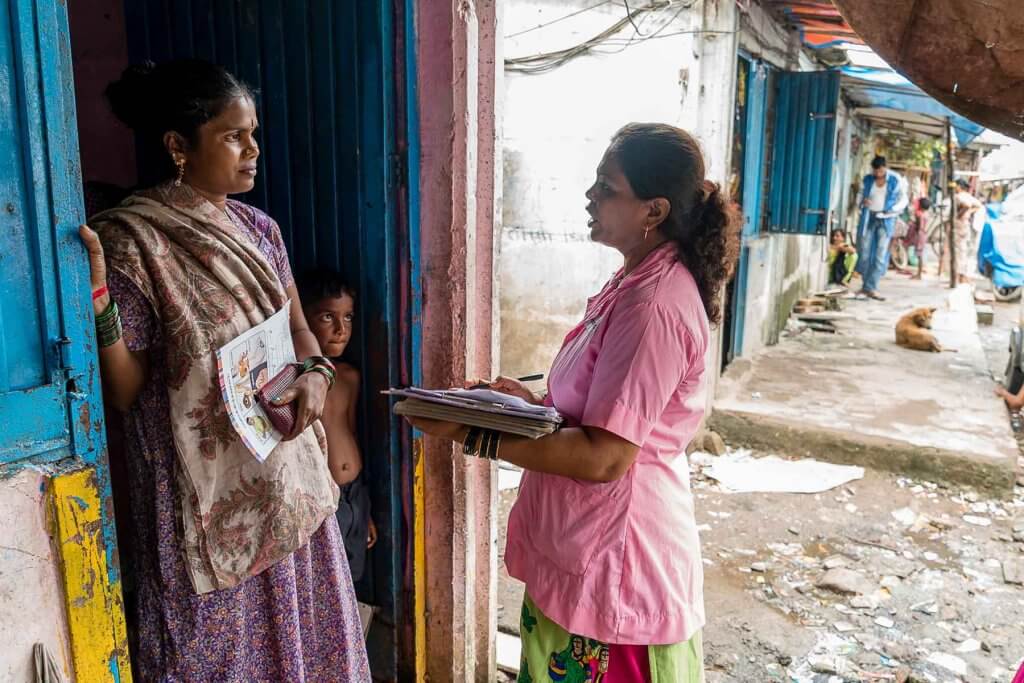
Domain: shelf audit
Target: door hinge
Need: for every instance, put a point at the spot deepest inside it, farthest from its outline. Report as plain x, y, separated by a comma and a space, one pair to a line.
62, 347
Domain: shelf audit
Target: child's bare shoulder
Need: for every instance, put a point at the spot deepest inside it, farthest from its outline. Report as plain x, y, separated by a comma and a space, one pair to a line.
345, 389
346, 385
347, 375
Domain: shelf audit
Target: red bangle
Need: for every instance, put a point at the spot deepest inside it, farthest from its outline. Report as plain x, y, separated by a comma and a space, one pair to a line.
100, 292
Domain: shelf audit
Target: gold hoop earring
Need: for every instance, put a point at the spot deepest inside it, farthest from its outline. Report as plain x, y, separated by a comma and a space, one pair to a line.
180, 163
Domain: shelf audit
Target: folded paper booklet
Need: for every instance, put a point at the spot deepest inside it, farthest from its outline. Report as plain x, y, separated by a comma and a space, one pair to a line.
245, 365
478, 408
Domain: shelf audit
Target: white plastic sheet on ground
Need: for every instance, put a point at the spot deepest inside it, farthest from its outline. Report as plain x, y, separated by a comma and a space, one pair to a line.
740, 472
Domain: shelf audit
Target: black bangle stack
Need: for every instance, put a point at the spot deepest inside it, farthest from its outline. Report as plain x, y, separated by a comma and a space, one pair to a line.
482, 443
108, 326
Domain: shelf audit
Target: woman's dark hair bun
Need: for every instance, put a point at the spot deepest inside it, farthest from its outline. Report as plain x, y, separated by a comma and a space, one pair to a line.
178, 96
130, 96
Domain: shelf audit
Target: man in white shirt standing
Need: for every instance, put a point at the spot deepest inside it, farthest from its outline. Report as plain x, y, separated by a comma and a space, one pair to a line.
884, 197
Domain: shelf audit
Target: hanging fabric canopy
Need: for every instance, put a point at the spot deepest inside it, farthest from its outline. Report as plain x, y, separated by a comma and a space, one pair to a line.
882, 89
968, 54
824, 28
820, 23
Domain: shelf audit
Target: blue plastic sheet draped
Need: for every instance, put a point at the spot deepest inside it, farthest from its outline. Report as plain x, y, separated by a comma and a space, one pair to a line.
890, 90
1001, 249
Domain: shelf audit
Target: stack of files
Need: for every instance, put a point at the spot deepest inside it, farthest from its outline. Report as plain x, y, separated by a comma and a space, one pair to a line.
478, 408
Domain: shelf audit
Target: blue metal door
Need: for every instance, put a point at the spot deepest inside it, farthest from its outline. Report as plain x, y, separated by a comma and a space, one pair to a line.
331, 174
49, 405
754, 95
803, 152
754, 148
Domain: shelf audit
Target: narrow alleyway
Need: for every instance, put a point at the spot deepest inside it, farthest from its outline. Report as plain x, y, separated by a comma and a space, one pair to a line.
935, 569
856, 397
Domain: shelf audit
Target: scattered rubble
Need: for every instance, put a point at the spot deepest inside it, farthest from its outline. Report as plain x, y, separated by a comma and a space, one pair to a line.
1013, 571
931, 589
845, 581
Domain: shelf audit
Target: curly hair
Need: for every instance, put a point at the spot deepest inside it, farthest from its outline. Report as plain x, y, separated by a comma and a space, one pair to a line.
660, 160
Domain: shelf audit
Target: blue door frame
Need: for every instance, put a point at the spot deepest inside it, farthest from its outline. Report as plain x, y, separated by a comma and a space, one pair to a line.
49, 409
754, 147
51, 412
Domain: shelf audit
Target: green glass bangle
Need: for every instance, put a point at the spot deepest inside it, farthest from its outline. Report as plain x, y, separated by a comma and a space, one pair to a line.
108, 314
109, 334
314, 361
327, 373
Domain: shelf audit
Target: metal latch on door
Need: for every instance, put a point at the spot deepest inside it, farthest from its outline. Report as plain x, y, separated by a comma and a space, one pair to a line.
64, 367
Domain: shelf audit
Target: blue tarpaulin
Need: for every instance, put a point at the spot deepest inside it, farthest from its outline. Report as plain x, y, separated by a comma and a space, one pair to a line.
889, 90
1001, 249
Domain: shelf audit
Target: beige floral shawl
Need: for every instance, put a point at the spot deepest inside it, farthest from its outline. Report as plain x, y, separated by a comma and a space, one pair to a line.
207, 283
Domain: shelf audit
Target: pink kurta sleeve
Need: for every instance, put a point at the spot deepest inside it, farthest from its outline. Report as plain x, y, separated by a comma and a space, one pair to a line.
645, 352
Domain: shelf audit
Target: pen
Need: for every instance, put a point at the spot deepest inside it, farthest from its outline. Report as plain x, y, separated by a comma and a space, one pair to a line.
528, 378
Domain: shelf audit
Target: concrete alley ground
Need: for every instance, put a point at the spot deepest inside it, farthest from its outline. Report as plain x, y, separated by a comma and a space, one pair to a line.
925, 574
856, 397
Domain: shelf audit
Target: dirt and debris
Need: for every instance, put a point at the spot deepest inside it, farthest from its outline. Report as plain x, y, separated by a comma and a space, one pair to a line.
883, 579
899, 584
878, 580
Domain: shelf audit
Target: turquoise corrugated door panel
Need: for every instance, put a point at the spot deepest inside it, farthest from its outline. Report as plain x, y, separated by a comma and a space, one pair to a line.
47, 408
755, 144
803, 152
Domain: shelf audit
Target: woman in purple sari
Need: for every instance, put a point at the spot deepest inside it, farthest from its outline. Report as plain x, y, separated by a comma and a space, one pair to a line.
238, 564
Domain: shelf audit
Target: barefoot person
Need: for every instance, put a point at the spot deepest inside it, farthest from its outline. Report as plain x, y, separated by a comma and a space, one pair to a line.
329, 303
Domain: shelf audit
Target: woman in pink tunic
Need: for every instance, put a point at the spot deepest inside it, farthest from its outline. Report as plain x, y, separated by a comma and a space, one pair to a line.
603, 532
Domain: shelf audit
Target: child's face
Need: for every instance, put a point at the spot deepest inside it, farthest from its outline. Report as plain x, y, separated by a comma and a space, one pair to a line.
838, 239
331, 321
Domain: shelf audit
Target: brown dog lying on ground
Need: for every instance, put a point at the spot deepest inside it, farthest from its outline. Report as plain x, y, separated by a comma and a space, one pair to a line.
912, 331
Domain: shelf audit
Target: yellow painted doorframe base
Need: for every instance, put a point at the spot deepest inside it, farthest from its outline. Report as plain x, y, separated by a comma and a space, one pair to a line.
94, 605
419, 561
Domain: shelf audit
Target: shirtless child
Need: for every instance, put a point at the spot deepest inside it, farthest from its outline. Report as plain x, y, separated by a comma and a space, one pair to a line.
329, 305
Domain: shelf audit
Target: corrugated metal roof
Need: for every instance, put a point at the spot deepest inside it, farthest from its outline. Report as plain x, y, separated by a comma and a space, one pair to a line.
819, 22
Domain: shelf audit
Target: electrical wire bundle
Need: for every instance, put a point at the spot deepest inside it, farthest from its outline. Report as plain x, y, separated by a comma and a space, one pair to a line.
654, 11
